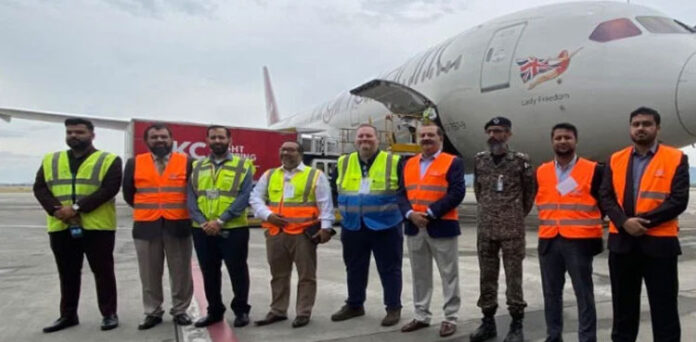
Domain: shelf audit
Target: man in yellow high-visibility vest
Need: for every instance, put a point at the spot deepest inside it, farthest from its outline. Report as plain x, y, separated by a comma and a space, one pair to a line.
218, 197
77, 189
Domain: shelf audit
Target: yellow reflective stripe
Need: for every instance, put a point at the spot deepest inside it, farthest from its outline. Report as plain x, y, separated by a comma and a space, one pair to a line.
563, 206
54, 166
94, 177
97, 168
369, 208
238, 173
230, 193
162, 189
194, 175
388, 171
652, 195
571, 222
308, 186
372, 192
159, 206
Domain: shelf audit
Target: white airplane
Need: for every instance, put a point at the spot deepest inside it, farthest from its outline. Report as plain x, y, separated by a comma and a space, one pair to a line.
588, 63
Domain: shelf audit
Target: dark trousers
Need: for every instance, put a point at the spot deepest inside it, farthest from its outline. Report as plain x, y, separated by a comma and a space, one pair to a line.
69, 253
388, 247
660, 273
211, 251
567, 255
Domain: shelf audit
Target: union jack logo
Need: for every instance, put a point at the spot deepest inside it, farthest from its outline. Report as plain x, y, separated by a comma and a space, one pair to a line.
532, 66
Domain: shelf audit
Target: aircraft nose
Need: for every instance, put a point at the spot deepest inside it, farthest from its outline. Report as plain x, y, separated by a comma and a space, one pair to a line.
686, 95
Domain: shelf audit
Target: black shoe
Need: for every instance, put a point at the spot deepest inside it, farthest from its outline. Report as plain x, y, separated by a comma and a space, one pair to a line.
414, 325
347, 312
393, 317
182, 319
270, 318
149, 322
300, 321
109, 322
62, 323
485, 331
208, 320
516, 332
241, 320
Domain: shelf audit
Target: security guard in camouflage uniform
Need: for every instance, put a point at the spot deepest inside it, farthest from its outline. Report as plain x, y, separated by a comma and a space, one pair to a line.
504, 187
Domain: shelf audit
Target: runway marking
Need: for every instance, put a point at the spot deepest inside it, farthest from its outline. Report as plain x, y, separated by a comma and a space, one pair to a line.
219, 332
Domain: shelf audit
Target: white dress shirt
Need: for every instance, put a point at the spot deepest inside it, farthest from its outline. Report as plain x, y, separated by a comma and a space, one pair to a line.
322, 191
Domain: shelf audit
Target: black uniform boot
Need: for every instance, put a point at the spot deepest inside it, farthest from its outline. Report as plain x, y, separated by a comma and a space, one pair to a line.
515, 334
485, 331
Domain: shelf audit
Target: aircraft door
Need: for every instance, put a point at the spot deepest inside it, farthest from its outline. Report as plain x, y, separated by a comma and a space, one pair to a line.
686, 102
403, 100
497, 59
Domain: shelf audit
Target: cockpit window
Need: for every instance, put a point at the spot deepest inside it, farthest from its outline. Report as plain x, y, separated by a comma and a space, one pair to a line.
614, 29
662, 25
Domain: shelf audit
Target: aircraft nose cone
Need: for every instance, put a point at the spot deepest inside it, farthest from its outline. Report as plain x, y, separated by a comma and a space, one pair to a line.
686, 95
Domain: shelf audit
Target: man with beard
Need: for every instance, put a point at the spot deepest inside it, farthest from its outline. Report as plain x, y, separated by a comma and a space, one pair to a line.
644, 189
570, 231
504, 187
434, 183
76, 188
154, 184
294, 201
367, 183
218, 197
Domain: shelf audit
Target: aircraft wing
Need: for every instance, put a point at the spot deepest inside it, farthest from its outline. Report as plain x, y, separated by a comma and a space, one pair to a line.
8, 114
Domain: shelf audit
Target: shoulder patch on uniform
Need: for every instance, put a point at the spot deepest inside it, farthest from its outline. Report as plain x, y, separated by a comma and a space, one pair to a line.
522, 156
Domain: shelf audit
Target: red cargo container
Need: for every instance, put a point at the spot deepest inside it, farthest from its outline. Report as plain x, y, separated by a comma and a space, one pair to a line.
261, 145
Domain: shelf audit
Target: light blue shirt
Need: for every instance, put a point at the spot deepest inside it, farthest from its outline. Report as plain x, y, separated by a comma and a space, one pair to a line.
639, 165
562, 172
426, 161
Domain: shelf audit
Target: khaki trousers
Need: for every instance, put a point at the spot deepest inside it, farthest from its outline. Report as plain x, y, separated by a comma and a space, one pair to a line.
282, 251
151, 254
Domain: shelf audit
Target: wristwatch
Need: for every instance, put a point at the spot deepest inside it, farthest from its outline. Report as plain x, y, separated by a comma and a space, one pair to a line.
76, 207
221, 222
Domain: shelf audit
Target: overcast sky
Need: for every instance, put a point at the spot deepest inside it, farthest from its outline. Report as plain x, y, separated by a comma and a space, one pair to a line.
200, 60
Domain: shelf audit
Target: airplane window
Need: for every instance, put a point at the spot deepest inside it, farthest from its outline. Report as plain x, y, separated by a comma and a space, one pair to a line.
614, 29
662, 25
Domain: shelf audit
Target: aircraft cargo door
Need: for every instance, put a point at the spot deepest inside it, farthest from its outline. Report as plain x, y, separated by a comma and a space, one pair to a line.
497, 59
402, 100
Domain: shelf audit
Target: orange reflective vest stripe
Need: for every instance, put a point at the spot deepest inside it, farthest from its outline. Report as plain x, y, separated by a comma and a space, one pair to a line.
655, 185
574, 215
422, 192
160, 195
300, 210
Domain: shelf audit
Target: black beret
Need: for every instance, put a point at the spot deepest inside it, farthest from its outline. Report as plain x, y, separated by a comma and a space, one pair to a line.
498, 121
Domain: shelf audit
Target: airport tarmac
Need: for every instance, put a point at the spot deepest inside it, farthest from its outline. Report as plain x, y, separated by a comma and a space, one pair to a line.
29, 290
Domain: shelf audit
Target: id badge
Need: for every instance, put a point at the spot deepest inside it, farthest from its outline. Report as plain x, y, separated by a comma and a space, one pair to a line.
365, 186
499, 186
76, 232
212, 194
288, 191
566, 186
